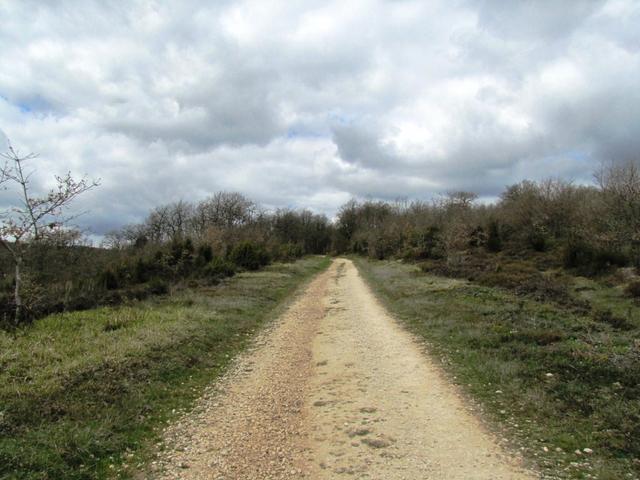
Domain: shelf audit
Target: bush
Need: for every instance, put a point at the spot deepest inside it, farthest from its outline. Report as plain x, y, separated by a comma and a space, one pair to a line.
591, 260
606, 316
157, 286
205, 254
181, 253
494, 242
82, 301
109, 280
219, 268
427, 245
633, 289
509, 275
249, 256
538, 241
141, 271
111, 298
607, 258
289, 252
477, 237
577, 254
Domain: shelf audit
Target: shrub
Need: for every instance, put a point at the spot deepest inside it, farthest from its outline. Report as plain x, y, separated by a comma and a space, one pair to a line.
591, 260
429, 266
180, 252
633, 289
494, 242
187, 245
137, 292
109, 280
141, 271
289, 252
606, 258
428, 244
510, 275
577, 253
249, 256
157, 286
82, 301
523, 278
219, 268
111, 298
538, 241
477, 237
617, 322
205, 254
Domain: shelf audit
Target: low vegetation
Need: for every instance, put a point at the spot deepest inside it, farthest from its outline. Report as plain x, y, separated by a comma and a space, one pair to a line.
532, 302
178, 243
560, 371
588, 230
82, 393
515, 242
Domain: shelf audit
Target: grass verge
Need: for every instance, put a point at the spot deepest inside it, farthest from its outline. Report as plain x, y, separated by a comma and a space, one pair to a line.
83, 393
553, 381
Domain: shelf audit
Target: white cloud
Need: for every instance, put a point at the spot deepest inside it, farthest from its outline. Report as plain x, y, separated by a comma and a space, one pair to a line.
306, 103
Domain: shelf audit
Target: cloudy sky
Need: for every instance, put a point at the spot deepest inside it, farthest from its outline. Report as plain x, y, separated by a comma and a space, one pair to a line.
309, 103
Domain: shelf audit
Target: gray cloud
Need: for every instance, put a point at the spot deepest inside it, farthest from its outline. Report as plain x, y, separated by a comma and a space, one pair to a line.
307, 103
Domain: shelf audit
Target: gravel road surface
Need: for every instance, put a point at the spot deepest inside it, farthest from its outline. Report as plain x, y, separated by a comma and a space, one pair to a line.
334, 388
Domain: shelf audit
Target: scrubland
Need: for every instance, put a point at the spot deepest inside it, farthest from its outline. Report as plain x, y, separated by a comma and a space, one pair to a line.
81, 392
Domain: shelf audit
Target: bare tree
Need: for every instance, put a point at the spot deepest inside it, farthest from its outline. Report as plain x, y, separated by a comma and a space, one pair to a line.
172, 221
157, 223
180, 215
129, 235
620, 188
33, 219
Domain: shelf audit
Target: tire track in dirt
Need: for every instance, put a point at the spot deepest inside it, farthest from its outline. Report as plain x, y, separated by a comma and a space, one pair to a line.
252, 426
335, 389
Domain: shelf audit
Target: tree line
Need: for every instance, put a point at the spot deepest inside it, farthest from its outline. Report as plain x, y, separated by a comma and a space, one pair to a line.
587, 227
225, 219
178, 244
547, 224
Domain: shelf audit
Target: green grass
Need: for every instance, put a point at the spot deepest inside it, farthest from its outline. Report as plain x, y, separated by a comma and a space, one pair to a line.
543, 375
83, 395
604, 297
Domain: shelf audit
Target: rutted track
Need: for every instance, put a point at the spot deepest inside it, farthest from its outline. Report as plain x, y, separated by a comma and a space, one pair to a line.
335, 388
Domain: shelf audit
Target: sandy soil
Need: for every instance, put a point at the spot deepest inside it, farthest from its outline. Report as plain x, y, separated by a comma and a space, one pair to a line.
334, 389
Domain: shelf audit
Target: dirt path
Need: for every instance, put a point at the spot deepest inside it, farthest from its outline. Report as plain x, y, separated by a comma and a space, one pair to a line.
335, 389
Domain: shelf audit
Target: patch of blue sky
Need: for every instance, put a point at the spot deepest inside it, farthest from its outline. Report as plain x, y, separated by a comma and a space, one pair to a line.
25, 107
573, 165
293, 133
31, 105
578, 155
340, 117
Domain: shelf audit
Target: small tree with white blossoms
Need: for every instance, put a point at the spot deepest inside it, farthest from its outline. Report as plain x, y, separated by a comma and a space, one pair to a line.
32, 218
